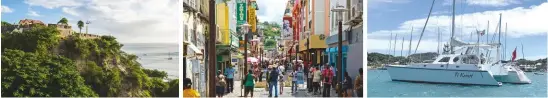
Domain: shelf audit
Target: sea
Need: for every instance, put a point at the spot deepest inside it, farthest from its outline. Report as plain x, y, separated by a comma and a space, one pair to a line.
155, 56
379, 84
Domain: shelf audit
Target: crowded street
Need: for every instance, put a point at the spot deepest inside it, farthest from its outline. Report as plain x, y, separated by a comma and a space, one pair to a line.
299, 51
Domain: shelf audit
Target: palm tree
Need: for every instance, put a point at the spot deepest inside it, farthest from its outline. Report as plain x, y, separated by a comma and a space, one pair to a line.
80, 25
63, 20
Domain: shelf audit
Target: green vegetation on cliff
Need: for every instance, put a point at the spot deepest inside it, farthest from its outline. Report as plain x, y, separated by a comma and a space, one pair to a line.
39, 62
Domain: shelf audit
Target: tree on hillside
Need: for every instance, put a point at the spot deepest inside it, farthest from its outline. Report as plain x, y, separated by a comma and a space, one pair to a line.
63, 21
39, 39
27, 74
5, 23
80, 25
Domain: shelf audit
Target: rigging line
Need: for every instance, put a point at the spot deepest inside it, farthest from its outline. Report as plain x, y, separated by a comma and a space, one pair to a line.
422, 33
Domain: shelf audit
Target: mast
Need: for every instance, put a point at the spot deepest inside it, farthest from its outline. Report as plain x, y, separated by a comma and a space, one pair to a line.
498, 46
477, 46
487, 33
395, 41
505, 37
452, 29
522, 52
410, 40
402, 41
438, 40
390, 44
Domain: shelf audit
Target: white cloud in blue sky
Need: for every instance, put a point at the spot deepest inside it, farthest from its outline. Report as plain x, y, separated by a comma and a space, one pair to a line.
33, 13
526, 24
130, 21
6, 9
271, 10
488, 3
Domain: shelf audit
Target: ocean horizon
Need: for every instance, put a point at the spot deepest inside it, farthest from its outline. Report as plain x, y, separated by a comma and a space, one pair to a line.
156, 56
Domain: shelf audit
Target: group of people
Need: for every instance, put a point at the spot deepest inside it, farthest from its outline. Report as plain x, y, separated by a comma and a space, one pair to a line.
327, 77
323, 78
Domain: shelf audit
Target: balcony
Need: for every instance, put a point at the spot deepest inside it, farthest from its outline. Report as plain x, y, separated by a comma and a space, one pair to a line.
356, 12
190, 5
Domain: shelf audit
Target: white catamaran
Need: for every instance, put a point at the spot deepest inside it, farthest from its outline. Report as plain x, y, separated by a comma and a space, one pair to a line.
462, 63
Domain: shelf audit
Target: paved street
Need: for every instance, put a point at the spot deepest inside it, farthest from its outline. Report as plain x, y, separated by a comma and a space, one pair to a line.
261, 92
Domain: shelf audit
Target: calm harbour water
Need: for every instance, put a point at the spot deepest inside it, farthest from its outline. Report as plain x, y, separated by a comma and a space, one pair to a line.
379, 84
155, 56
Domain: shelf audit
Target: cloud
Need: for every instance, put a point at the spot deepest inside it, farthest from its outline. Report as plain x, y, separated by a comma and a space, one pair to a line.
440, 13
6, 9
380, 4
33, 13
389, 1
50, 4
130, 21
521, 22
488, 3
70, 11
381, 45
271, 10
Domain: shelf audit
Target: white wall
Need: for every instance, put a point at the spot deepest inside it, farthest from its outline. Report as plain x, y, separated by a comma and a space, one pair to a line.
319, 17
333, 22
355, 57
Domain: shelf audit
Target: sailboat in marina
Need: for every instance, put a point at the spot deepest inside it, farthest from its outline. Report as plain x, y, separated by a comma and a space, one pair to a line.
462, 63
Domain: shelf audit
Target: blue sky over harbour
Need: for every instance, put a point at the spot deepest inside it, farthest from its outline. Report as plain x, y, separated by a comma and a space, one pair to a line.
526, 23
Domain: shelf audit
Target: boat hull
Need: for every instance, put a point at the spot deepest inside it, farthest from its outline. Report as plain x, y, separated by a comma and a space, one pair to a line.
476, 77
517, 77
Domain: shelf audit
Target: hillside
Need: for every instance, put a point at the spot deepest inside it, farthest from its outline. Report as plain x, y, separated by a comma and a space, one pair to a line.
38, 62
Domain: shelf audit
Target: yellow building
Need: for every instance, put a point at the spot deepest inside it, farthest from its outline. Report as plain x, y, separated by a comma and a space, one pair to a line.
222, 21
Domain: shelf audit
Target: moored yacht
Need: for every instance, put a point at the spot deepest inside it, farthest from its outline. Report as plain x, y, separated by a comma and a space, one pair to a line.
467, 64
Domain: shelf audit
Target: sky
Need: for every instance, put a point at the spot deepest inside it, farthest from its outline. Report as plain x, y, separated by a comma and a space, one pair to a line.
526, 23
130, 21
271, 10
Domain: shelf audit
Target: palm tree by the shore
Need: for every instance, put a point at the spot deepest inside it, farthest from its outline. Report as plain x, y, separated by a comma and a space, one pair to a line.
80, 25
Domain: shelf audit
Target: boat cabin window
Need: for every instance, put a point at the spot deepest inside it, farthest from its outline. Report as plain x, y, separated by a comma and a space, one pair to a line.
471, 59
455, 59
444, 59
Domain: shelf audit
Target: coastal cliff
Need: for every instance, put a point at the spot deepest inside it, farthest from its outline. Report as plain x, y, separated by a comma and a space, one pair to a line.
38, 62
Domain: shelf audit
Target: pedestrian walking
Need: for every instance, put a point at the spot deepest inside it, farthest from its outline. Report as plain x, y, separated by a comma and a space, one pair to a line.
294, 81
282, 80
249, 83
334, 79
347, 85
188, 91
282, 77
316, 80
358, 84
327, 74
273, 82
229, 72
221, 84
263, 71
309, 80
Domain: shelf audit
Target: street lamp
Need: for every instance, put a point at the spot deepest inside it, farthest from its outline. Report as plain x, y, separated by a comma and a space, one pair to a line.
339, 11
243, 31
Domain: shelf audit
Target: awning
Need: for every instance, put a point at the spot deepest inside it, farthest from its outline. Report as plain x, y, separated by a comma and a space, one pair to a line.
192, 47
335, 49
316, 42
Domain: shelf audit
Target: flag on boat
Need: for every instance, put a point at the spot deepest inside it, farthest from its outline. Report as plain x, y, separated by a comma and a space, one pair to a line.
514, 54
482, 32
